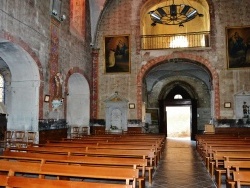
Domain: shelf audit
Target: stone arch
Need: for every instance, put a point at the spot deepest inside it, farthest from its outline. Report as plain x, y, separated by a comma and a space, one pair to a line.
162, 59
7, 36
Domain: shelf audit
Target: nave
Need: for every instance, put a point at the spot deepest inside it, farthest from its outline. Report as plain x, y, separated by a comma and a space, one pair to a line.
181, 166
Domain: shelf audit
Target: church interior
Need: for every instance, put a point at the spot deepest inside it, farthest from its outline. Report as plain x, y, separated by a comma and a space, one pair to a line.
158, 89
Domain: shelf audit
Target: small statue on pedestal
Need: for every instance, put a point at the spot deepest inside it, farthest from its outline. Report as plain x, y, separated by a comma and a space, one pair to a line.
245, 110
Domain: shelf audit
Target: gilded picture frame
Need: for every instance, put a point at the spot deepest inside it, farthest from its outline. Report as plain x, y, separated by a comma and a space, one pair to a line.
238, 47
46, 98
227, 105
117, 54
131, 105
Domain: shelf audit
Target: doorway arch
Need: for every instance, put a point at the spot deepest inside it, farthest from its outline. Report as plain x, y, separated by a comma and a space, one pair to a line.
198, 78
188, 105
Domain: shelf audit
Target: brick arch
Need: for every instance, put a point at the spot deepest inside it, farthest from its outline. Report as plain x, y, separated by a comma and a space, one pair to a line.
162, 59
29, 50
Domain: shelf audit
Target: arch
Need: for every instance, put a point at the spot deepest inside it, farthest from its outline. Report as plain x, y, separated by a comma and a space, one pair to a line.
196, 25
162, 59
78, 98
24, 97
8, 37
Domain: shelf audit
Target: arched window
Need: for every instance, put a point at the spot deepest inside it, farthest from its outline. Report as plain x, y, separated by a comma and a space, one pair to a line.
1, 88
177, 96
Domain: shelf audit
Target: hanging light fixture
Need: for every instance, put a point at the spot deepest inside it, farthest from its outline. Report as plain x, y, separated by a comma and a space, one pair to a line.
173, 14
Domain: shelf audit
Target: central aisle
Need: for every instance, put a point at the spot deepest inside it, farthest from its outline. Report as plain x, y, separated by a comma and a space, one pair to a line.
181, 167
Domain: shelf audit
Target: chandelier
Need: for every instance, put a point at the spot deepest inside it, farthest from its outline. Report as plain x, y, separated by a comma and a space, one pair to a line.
173, 14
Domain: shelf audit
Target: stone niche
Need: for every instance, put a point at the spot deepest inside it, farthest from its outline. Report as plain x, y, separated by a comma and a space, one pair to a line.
116, 113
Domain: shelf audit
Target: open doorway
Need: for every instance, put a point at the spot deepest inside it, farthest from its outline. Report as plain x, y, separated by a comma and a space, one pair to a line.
178, 121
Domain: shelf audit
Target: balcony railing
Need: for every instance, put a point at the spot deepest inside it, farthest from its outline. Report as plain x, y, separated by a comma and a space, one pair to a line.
181, 40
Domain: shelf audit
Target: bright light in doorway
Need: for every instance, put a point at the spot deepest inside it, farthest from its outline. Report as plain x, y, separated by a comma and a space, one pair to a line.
178, 121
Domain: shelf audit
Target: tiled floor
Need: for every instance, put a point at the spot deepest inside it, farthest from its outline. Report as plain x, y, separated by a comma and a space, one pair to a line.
181, 167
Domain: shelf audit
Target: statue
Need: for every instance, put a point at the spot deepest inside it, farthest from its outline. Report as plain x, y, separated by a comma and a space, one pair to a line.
58, 90
245, 109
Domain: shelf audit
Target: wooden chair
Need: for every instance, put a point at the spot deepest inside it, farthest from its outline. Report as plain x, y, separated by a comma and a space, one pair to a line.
8, 136
75, 132
19, 139
31, 137
85, 130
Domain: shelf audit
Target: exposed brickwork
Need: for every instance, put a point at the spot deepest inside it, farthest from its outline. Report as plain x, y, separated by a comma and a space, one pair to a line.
222, 15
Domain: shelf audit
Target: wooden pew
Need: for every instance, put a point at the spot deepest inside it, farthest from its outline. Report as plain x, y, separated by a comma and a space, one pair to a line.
104, 173
107, 147
215, 148
218, 157
158, 148
83, 160
240, 177
24, 182
71, 151
223, 166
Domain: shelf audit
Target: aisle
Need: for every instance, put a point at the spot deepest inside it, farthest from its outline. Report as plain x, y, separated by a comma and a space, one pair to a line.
181, 167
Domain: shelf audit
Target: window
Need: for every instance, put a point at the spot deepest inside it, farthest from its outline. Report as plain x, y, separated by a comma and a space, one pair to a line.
1, 88
177, 96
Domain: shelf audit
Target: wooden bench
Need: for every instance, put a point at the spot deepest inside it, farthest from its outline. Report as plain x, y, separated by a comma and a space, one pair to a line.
224, 167
74, 171
240, 177
227, 148
71, 151
24, 182
108, 147
83, 160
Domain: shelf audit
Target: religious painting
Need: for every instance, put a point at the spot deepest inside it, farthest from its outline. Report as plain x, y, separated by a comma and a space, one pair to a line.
117, 54
238, 47
154, 113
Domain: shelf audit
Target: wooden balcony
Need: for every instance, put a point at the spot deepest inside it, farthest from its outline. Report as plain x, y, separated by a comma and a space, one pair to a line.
180, 40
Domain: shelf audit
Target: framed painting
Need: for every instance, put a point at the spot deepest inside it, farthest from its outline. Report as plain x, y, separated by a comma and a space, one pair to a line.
238, 46
46, 98
131, 105
117, 54
227, 105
